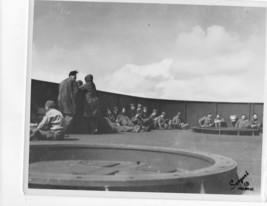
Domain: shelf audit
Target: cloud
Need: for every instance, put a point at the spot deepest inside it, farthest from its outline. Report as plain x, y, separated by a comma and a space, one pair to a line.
207, 64
56, 62
139, 80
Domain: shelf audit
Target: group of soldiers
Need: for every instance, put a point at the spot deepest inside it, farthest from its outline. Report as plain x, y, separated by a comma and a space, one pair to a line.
78, 104
140, 120
75, 99
239, 123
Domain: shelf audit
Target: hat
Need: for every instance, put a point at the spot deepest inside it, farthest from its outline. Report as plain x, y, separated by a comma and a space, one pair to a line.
73, 73
132, 104
163, 113
139, 105
89, 78
50, 104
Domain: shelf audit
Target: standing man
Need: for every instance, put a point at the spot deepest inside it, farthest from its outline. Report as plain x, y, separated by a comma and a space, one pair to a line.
68, 89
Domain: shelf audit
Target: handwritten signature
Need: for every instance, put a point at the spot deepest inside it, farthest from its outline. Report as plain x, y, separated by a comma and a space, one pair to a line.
244, 184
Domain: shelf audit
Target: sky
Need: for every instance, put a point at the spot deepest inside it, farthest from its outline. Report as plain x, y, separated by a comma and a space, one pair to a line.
179, 52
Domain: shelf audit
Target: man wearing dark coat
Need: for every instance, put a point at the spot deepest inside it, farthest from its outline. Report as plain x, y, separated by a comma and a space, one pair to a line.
91, 109
132, 111
67, 98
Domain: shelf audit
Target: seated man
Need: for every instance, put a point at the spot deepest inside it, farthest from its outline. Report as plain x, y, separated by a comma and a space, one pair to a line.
137, 119
161, 122
132, 111
177, 122
242, 123
110, 116
106, 126
53, 125
255, 122
233, 119
123, 119
115, 112
139, 106
206, 121
219, 121
147, 120
144, 114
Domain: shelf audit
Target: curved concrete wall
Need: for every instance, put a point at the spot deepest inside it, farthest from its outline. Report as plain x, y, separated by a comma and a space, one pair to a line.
191, 110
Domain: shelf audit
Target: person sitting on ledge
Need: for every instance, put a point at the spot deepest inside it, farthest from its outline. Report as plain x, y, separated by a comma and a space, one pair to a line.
233, 119
206, 121
219, 121
123, 119
177, 122
161, 122
53, 125
242, 123
255, 122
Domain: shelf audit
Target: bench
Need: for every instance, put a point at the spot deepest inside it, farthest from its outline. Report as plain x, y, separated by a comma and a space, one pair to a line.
226, 130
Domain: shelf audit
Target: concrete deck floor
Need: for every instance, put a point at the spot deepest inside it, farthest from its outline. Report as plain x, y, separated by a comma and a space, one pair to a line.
245, 150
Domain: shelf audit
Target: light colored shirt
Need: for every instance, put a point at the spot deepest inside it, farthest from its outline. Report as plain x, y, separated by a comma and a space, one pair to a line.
53, 121
124, 120
206, 122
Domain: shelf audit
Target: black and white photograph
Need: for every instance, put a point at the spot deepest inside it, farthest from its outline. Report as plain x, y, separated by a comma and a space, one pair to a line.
150, 98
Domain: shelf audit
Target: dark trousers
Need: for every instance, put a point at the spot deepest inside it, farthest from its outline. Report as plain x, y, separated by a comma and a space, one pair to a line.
69, 125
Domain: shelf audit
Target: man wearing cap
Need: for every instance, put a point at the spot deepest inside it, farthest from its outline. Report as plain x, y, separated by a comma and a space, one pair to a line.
68, 89
123, 119
161, 122
53, 125
242, 123
147, 120
255, 123
206, 121
177, 122
132, 111
115, 113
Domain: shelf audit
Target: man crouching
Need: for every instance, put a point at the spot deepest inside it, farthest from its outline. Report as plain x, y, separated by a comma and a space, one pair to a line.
53, 125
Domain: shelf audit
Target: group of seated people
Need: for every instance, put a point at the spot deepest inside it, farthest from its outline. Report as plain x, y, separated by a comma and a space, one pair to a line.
242, 123
53, 125
141, 120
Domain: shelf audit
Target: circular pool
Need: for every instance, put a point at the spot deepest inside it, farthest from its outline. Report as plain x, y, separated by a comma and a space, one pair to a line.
128, 168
